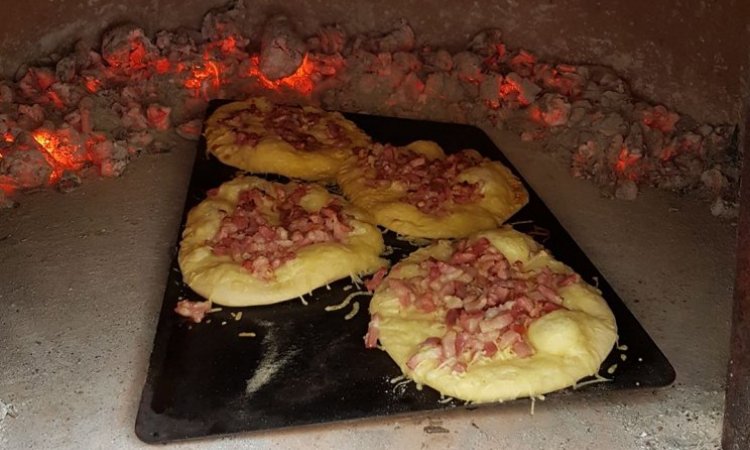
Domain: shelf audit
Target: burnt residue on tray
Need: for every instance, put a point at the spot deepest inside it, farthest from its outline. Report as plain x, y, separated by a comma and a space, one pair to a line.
296, 363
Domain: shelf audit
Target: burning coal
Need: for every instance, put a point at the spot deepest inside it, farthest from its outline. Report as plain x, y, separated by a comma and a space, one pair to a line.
95, 110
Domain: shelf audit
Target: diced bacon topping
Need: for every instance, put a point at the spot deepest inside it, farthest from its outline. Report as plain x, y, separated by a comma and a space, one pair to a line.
376, 279
431, 348
244, 138
430, 185
251, 237
192, 309
488, 301
373, 332
291, 123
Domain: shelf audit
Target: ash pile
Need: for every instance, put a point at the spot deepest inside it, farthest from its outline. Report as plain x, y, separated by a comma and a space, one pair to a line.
89, 112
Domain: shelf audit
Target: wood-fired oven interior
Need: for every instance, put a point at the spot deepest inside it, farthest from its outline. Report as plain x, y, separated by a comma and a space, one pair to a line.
624, 117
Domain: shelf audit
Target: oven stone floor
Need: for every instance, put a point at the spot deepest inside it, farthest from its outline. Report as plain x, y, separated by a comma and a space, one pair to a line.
83, 274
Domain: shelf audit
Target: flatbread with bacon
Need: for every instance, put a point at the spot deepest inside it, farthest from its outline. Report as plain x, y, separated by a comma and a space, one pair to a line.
489, 318
302, 142
420, 191
256, 242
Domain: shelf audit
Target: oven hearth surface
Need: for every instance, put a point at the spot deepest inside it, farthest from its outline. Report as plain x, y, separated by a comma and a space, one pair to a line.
306, 365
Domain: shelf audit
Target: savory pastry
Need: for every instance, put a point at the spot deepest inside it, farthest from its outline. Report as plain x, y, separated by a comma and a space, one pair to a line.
489, 318
294, 141
418, 191
255, 242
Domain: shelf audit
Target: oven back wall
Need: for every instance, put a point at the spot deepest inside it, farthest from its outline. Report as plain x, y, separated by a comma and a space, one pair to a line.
687, 55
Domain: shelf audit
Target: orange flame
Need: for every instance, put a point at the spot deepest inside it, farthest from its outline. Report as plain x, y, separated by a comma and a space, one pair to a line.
53, 145
8, 137
209, 71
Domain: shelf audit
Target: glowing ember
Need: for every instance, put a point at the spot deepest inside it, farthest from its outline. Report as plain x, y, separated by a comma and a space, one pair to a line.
137, 56
79, 101
65, 153
161, 66
55, 99
625, 160
91, 84
208, 71
8, 189
508, 88
300, 81
535, 113
228, 45
668, 153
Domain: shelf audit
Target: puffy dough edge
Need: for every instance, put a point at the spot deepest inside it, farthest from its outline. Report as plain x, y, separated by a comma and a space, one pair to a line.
569, 345
504, 195
273, 154
219, 279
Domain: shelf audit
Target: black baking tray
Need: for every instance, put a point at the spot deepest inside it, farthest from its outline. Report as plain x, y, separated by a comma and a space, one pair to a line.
306, 365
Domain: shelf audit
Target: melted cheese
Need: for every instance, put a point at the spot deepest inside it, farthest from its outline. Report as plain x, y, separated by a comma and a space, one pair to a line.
272, 154
502, 195
569, 344
225, 282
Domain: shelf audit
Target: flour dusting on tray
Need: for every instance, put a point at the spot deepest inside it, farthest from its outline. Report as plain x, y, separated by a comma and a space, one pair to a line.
273, 360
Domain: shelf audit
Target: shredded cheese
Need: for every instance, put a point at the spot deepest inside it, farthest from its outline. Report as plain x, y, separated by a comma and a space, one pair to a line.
395, 380
346, 301
246, 334
348, 287
238, 316
622, 348
417, 242
400, 387
213, 310
534, 398
356, 280
623, 356
597, 379
302, 299
612, 369
353, 312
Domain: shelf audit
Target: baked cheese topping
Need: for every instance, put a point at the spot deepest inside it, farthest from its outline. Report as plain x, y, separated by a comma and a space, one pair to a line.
430, 185
269, 226
291, 123
488, 303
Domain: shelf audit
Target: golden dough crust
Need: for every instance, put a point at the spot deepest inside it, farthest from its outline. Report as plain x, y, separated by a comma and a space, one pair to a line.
272, 153
502, 196
569, 344
223, 281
